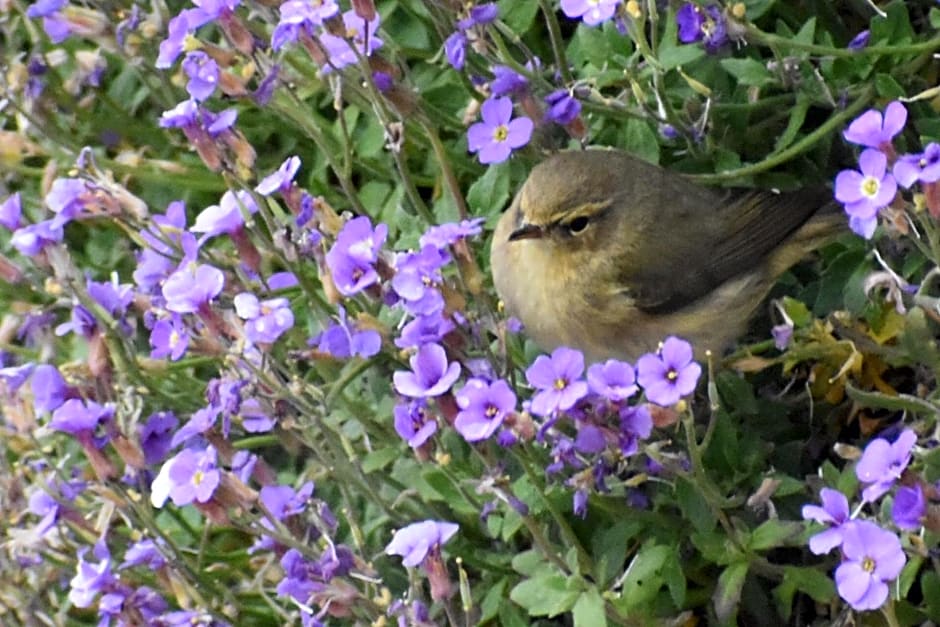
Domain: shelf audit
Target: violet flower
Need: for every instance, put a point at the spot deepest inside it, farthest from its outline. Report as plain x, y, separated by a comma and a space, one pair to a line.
883, 462
430, 375
499, 133
483, 407
670, 374
835, 513
558, 381
417, 541
873, 556
873, 130
866, 191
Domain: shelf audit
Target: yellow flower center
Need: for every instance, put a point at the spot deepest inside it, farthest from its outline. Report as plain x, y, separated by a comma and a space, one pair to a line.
491, 411
198, 476
560, 384
868, 565
672, 375
870, 186
500, 133
174, 338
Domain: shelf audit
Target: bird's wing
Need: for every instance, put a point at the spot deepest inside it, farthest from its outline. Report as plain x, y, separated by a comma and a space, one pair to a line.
694, 254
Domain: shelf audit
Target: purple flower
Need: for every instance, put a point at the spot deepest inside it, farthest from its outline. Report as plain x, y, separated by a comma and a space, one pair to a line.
563, 107
54, 21
169, 338
283, 501
498, 134
872, 556
49, 388
635, 424
909, 507
874, 131
507, 81
414, 423
865, 192
33, 239
923, 167
614, 380
11, 210
155, 436
557, 379
203, 73
485, 13
425, 330
254, 417
281, 179
669, 374
416, 541
444, 235
782, 334
430, 375
191, 288
143, 553
227, 216
90, 581
483, 406
860, 41
344, 340
417, 276
352, 255
189, 476
835, 513
301, 14
592, 12
883, 462
76, 416
363, 37
707, 25
265, 320
455, 49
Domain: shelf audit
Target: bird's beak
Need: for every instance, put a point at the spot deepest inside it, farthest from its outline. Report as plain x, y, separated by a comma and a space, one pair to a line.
527, 231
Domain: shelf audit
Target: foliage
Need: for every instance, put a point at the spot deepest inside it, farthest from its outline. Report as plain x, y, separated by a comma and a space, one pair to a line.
245, 381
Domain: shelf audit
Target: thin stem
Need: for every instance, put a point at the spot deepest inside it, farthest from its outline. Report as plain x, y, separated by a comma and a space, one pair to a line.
554, 36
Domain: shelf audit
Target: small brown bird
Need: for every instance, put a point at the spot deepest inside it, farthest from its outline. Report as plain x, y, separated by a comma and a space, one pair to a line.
608, 254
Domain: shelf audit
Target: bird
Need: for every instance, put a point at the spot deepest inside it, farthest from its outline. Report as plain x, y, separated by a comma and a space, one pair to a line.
609, 254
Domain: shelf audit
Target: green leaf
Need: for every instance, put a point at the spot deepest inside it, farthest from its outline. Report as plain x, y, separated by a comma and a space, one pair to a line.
774, 533
930, 587
487, 196
494, 598
644, 576
797, 310
908, 575
794, 123
888, 87
750, 72
380, 458
518, 14
736, 393
444, 486
529, 562
934, 17
728, 591
609, 548
549, 594
756, 8
901, 402
671, 57
716, 547
807, 32
675, 579
641, 140
694, 507
588, 610
810, 581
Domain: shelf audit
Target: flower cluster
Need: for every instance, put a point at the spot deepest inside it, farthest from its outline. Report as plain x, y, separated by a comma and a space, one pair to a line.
868, 191
872, 556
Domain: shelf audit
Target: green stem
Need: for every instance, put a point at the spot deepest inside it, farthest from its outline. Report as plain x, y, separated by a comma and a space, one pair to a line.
796, 148
755, 35
554, 36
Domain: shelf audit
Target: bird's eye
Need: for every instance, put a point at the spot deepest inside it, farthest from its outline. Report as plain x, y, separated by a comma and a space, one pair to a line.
577, 225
